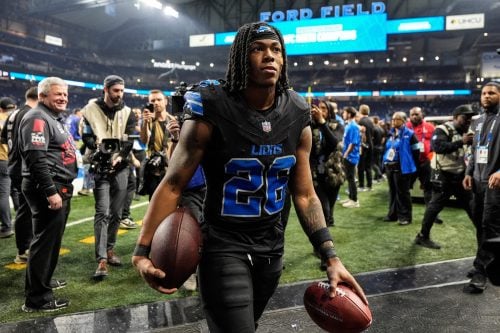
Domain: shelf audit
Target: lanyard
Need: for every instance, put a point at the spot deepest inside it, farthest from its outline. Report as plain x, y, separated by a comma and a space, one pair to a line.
490, 133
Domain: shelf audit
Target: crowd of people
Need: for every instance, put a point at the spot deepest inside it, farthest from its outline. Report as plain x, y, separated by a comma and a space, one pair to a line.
244, 147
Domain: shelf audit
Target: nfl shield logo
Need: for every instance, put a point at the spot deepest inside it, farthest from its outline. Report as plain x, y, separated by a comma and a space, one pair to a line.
266, 126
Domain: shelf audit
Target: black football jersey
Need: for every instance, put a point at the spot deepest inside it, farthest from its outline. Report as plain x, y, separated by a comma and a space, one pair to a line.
247, 165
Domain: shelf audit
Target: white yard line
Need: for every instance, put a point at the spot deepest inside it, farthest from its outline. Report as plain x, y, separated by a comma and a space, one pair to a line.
70, 224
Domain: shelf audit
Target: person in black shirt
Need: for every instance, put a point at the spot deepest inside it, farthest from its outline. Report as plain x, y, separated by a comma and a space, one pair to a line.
49, 167
451, 143
251, 134
10, 135
378, 149
483, 178
366, 159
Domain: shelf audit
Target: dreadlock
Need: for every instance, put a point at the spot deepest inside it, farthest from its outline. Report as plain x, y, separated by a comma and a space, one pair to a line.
239, 65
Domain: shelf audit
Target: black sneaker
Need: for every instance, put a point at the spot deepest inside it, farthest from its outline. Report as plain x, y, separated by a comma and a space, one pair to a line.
426, 242
54, 305
388, 219
438, 221
404, 222
57, 284
477, 284
471, 272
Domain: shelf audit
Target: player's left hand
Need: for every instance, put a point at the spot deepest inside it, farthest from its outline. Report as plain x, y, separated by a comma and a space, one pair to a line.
494, 180
336, 273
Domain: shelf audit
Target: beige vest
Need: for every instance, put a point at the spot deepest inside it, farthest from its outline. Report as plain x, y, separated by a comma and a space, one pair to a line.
102, 126
452, 162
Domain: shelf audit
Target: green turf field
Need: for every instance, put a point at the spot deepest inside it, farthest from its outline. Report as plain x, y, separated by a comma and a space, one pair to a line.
364, 243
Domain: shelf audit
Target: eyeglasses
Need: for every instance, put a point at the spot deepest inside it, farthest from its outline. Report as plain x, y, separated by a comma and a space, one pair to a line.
396, 119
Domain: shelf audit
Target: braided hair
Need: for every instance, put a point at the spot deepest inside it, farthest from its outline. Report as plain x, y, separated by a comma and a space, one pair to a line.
239, 64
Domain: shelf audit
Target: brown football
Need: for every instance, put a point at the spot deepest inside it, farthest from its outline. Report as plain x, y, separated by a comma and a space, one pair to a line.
176, 247
345, 313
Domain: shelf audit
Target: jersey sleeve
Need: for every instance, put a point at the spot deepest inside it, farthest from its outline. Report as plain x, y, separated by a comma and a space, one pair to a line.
305, 109
34, 134
198, 99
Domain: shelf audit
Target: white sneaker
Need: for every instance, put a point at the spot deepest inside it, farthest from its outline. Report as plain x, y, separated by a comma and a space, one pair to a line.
22, 258
190, 284
351, 204
127, 224
344, 201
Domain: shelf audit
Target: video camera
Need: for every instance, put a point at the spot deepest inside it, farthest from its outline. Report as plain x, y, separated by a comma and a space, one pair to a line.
101, 159
178, 101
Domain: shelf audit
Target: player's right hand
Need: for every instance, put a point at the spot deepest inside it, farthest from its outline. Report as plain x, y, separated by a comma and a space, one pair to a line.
336, 273
151, 274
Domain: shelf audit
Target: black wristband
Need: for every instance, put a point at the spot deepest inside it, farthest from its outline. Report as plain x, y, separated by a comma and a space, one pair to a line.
174, 140
142, 250
319, 237
327, 253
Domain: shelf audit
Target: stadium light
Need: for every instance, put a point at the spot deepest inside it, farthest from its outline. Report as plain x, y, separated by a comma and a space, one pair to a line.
169, 11
152, 3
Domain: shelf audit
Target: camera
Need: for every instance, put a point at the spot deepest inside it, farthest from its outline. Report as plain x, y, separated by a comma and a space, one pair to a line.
150, 107
178, 101
101, 160
109, 146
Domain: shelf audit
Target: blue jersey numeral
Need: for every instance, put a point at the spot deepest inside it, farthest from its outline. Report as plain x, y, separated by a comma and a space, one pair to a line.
241, 197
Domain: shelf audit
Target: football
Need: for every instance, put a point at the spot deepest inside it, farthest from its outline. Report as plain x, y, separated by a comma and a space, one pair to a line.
345, 313
176, 247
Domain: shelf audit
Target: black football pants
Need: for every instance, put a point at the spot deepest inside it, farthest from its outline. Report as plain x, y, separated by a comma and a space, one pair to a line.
235, 291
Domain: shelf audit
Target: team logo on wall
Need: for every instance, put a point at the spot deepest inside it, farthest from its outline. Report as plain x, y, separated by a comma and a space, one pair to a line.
266, 126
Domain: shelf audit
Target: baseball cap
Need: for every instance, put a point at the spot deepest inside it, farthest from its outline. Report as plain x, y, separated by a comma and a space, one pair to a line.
465, 109
7, 103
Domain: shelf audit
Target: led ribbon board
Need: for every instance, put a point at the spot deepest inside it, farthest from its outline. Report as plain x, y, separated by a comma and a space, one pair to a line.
329, 35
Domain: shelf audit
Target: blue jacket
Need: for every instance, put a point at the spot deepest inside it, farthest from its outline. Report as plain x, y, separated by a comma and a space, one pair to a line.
403, 149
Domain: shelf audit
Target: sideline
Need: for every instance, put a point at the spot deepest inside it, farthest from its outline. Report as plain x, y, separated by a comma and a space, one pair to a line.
92, 218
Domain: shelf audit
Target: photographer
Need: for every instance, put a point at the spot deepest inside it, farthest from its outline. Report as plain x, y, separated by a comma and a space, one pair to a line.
155, 134
450, 143
108, 120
